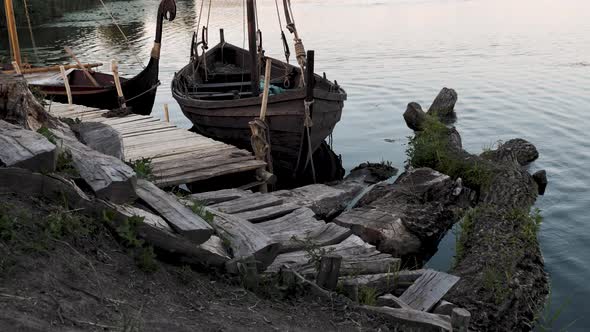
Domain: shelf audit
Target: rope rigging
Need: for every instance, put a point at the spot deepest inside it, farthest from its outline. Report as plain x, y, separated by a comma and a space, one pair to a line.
283, 37
122, 33
31, 30
299, 48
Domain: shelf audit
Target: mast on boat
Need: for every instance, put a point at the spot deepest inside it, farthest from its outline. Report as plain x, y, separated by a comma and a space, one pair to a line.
254, 69
12, 34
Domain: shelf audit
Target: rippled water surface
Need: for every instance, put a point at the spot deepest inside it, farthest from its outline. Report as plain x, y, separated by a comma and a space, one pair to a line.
521, 68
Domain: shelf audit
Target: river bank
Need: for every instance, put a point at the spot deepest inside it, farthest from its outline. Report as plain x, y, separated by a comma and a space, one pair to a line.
257, 236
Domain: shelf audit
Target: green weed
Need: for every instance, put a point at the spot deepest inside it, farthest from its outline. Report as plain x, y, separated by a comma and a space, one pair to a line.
367, 296
143, 168
145, 258
65, 164
313, 252
48, 134
199, 209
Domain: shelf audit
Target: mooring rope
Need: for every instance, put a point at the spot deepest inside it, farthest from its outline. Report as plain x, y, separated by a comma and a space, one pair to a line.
122, 33
31, 30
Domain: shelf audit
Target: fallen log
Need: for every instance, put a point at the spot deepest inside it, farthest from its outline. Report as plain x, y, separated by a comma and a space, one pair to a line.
26, 149
245, 241
181, 218
409, 217
101, 137
109, 177
503, 283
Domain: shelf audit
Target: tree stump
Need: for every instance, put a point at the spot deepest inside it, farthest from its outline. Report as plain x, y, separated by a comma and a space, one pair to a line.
19, 106
329, 271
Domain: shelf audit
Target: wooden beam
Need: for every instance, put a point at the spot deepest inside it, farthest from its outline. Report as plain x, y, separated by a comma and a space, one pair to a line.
88, 75
329, 271
254, 69
427, 290
12, 32
50, 69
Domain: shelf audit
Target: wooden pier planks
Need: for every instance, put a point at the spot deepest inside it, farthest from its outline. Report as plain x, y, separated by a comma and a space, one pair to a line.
427, 290
178, 155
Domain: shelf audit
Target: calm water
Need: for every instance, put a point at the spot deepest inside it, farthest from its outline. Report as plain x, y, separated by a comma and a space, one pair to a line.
521, 68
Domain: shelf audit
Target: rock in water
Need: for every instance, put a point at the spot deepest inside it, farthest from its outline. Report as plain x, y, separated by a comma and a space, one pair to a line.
414, 116
26, 149
444, 103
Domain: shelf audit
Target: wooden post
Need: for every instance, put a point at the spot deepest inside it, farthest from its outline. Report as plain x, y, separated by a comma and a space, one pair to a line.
460, 319
16, 68
166, 114
254, 70
248, 269
88, 75
329, 271
66, 84
115, 69
12, 33
266, 89
221, 36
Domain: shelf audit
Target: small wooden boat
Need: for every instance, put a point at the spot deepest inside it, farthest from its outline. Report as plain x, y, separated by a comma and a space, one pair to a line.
139, 92
219, 93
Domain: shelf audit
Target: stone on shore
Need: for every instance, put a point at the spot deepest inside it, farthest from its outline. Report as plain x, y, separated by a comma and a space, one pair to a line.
26, 149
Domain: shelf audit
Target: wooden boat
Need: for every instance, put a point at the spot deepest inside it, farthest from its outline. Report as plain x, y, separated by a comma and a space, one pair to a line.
222, 97
139, 92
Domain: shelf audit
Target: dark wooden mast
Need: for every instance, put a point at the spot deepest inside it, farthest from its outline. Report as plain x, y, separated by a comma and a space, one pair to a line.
254, 71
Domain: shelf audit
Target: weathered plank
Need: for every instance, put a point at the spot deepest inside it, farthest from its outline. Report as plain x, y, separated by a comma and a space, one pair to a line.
392, 301
358, 257
249, 203
324, 200
157, 232
102, 138
26, 149
181, 218
109, 177
427, 290
245, 240
411, 319
384, 229
382, 283
220, 196
329, 271
267, 213
299, 229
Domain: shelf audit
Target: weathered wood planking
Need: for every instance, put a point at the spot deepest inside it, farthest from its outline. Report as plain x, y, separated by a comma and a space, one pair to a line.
178, 215
299, 229
178, 156
381, 282
249, 203
427, 290
411, 320
358, 257
267, 213
220, 196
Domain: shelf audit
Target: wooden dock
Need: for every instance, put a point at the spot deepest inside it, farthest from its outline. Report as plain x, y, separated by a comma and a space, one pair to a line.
178, 156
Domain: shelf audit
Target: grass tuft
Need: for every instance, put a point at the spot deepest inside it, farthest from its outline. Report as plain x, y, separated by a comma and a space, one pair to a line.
143, 168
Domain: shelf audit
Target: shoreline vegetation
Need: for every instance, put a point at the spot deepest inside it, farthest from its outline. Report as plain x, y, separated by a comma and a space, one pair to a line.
81, 250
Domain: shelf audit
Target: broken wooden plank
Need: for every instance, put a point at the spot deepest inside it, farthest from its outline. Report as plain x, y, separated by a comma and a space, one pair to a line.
358, 258
267, 213
219, 196
384, 229
392, 301
411, 319
24, 148
109, 177
427, 290
245, 240
329, 271
252, 202
181, 218
382, 283
156, 231
299, 229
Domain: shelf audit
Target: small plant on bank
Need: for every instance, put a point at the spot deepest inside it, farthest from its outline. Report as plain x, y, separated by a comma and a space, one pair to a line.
199, 209
313, 252
431, 148
143, 168
465, 228
65, 164
367, 296
48, 134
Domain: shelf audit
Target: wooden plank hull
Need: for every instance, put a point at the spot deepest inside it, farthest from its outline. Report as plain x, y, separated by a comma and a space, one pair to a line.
219, 102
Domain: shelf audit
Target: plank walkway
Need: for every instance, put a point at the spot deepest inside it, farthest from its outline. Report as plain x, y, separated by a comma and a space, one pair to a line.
178, 155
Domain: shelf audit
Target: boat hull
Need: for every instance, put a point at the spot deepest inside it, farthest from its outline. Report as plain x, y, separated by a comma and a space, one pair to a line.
285, 117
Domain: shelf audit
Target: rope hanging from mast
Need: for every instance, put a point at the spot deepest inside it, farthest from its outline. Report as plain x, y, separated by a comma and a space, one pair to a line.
283, 37
31, 30
299, 48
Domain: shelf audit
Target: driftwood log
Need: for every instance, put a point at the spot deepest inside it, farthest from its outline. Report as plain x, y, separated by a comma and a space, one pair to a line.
109, 177
409, 217
101, 137
503, 283
25, 148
